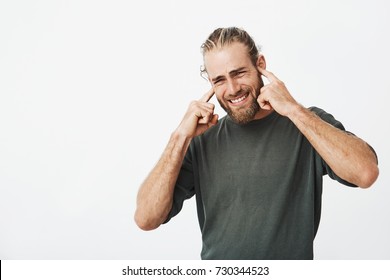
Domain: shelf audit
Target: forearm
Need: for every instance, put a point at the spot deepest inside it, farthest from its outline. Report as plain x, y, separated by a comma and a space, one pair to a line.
155, 196
347, 155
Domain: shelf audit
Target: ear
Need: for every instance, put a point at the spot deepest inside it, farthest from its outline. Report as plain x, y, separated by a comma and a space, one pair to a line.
261, 62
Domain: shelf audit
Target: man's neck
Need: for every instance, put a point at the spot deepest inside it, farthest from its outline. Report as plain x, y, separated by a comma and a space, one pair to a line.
262, 114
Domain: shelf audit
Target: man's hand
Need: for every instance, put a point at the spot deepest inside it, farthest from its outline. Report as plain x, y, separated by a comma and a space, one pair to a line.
155, 196
199, 117
347, 155
275, 95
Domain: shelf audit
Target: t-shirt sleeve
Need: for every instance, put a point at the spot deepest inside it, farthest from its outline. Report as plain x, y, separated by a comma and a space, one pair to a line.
184, 188
331, 120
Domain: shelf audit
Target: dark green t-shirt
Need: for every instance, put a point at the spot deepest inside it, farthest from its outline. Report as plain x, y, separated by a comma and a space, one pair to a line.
258, 188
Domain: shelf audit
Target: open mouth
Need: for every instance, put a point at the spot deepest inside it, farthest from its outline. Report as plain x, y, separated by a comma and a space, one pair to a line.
239, 99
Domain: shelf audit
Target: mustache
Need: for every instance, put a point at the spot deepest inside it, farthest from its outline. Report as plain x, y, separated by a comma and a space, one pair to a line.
240, 92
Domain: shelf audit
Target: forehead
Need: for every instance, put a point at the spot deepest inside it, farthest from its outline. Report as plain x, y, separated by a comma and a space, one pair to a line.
221, 61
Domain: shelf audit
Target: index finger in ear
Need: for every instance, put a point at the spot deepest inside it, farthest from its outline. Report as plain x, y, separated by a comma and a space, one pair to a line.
270, 76
207, 96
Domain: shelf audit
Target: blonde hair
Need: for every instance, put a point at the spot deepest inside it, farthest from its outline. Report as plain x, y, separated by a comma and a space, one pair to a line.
221, 37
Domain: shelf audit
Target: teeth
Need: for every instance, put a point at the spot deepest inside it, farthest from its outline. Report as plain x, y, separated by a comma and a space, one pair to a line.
238, 99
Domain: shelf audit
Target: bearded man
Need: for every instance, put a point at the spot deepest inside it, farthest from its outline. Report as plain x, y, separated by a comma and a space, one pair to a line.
257, 172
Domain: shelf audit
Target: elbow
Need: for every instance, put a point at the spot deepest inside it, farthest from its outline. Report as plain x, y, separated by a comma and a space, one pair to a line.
143, 222
369, 176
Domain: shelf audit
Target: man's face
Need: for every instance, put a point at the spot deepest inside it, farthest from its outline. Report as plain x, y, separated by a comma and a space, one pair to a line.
236, 81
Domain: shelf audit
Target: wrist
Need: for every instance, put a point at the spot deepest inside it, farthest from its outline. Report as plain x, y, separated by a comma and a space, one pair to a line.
296, 111
179, 136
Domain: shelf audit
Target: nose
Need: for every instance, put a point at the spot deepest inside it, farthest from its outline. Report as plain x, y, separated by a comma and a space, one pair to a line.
232, 86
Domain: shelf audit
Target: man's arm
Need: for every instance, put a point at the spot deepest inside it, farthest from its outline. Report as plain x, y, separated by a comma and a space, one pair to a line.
347, 155
155, 196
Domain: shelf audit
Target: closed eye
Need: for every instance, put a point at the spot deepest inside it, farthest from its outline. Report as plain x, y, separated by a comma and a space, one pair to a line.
241, 73
218, 81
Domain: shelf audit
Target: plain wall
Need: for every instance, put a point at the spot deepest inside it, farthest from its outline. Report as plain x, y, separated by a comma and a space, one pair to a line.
90, 92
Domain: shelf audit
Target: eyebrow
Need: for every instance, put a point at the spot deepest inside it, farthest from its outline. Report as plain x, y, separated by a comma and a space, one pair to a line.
231, 73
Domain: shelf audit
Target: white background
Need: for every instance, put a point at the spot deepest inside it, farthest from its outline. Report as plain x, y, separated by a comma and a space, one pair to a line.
90, 92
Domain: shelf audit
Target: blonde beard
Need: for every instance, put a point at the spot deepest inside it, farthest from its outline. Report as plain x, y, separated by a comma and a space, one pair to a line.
246, 116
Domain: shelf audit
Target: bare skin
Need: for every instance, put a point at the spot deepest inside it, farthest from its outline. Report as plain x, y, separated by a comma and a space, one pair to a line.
155, 197
347, 155
230, 70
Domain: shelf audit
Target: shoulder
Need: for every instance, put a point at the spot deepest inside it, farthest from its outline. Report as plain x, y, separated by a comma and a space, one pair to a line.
324, 115
213, 131
210, 136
